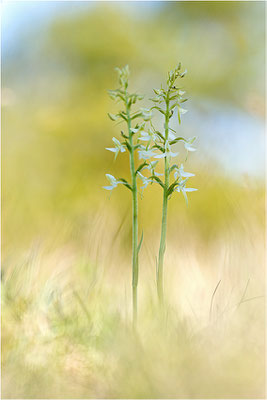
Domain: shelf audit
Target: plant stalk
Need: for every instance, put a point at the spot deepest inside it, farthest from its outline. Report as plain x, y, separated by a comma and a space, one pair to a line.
162, 246
134, 221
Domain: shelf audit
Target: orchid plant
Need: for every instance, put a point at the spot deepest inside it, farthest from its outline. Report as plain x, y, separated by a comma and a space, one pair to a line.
166, 102
151, 145
131, 144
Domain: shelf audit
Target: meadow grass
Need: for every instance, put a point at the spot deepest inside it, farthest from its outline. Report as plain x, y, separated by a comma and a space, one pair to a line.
66, 312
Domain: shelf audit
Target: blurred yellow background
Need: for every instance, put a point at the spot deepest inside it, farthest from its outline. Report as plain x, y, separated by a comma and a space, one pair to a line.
59, 225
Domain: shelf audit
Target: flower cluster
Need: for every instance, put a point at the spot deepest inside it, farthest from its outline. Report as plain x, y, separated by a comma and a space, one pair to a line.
151, 144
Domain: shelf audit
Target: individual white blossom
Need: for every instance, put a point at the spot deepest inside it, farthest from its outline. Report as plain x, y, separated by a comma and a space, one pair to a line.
189, 147
166, 154
151, 167
146, 181
179, 172
181, 188
145, 136
118, 147
145, 153
188, 144
146, 114
113, 181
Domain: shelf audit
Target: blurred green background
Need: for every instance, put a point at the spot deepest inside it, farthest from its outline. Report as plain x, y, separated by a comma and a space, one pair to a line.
58, 62
59, 226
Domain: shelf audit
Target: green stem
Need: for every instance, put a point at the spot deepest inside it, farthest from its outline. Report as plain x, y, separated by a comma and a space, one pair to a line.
162, 246
134, 220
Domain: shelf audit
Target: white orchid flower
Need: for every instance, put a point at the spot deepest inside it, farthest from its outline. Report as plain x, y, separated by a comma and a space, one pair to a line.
145, 154
166, 154
189, 147
179, 172
113, 181
188, 144
145, 136
146, 114
146, 181
136, 130
118, 147
183, 189
151, 167
182, 110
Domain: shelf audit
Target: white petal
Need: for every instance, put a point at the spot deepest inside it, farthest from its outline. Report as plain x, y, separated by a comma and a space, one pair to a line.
111, 178
108, 187
189, 147
185, 196
186, 174
116, 141
163, 155
111, 149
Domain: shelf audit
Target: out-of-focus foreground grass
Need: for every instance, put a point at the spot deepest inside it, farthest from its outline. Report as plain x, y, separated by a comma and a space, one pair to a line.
66, 314
66, 264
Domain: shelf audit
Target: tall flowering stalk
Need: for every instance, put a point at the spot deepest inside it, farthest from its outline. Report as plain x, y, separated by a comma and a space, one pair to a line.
166, 102
130, 144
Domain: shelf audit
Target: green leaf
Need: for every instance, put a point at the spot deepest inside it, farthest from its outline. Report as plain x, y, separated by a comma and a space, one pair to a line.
179, 116
139, 114
177, 140
113, 117
173, 167
140, 243
141, 167
171, 188
116, 94
159, 181
137, 146
124, 136
157, 146
174, 97
125, 183
173, 106
160, 135
155, 99
159, 109
128, 145
123, 116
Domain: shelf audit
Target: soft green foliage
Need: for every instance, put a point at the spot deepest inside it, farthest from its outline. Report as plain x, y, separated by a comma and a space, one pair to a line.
55, 127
